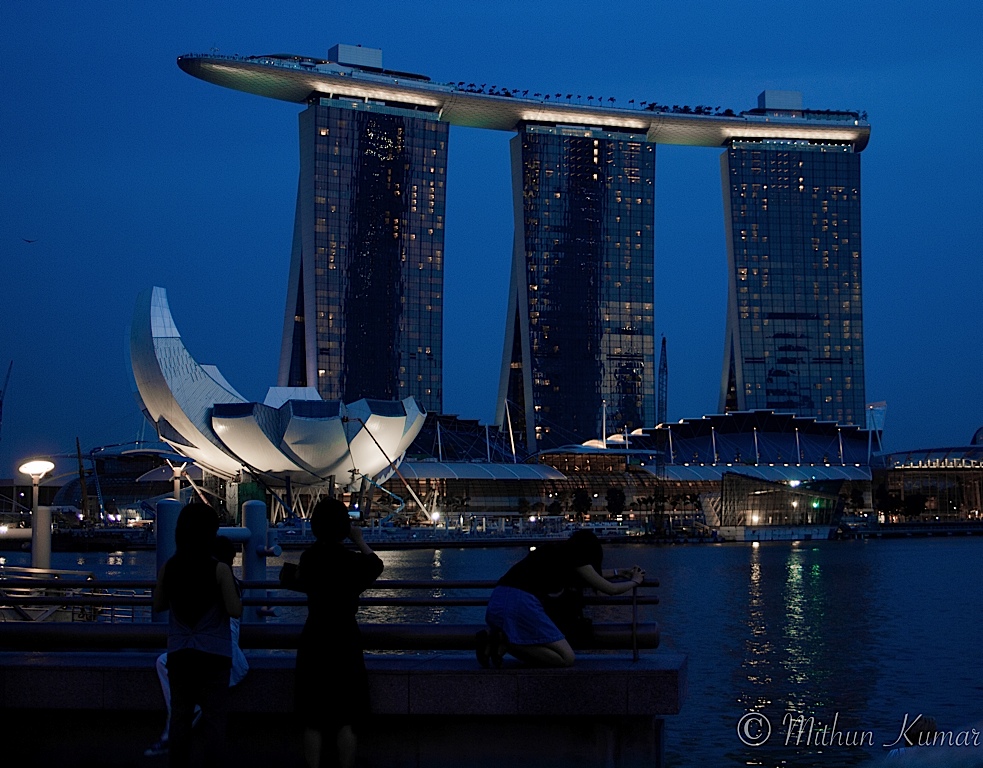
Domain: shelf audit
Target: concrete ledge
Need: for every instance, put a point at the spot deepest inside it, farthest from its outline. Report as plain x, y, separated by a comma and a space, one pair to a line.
439, 710
597, 685
423, 684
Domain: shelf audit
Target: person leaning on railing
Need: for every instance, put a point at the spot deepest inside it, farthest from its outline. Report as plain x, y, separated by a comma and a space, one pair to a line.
516, 616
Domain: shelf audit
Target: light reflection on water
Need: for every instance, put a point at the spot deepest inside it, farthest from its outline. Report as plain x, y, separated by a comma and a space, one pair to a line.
863, 631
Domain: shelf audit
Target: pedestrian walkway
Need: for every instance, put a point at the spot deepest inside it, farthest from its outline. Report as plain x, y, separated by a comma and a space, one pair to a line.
110, 739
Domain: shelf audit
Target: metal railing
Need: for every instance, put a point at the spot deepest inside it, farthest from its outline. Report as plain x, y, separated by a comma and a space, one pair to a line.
128, 602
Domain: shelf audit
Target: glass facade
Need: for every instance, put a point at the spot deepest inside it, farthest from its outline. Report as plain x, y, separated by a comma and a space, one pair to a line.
580, 329
364, 306
794, 339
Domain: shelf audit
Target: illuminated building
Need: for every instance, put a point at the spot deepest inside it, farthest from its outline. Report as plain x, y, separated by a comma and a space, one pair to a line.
794, 339
579, 350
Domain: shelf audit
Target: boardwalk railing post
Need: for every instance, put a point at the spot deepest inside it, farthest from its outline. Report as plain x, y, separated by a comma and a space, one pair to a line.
165, 523
254, 553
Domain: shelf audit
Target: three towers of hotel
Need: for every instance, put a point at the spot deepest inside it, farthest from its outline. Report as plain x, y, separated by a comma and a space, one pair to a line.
364, 310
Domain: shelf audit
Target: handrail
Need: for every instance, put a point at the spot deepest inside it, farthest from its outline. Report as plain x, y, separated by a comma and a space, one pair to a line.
376, 636
376, 602
91, 630
268, 584
15, 592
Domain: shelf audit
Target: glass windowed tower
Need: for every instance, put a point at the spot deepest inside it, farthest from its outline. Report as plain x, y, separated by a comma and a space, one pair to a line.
365, 292
794, 338
579, 346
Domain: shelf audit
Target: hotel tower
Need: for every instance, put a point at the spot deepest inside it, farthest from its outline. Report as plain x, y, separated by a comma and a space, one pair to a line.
794, 338
365, 291
579, 337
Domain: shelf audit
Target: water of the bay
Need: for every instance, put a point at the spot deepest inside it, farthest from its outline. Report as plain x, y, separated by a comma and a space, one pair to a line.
858, 635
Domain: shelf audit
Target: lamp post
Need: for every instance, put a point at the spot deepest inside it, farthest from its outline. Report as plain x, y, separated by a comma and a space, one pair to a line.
40, 521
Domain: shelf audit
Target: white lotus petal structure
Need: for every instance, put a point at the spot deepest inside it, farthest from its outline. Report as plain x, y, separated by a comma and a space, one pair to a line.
294, 435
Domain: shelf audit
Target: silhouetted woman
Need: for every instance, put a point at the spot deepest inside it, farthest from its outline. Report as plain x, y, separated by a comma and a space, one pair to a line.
201, 596
332, 684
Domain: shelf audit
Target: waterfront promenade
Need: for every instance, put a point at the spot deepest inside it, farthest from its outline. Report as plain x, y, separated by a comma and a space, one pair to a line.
77, 689
431, 709
117, 739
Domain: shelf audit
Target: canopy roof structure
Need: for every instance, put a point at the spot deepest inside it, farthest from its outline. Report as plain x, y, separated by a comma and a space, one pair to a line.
297, 79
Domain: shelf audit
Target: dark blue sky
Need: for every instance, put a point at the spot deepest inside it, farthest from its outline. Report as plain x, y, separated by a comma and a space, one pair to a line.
129, 173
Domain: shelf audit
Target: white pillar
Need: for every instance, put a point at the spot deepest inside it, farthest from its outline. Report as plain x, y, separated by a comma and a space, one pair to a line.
255, 550
164, 527
40, 533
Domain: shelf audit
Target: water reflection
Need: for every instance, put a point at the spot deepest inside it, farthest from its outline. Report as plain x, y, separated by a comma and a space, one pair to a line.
810, 623
757, 649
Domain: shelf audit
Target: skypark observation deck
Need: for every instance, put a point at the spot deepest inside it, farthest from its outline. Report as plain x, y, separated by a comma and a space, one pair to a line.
296, 78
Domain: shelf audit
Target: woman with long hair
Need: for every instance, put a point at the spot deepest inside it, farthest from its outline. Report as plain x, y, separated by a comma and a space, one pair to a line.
200, 594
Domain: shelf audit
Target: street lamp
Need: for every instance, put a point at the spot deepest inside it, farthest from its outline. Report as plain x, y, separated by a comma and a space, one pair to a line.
40, 528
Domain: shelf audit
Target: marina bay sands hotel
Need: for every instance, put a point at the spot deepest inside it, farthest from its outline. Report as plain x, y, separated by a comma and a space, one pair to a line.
364, 309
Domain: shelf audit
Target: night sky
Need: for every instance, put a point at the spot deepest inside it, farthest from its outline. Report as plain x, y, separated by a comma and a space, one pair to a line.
127, 173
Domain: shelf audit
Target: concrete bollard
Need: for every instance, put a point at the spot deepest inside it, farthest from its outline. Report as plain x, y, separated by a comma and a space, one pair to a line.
165, 524
164, 527
258, 543
40, 535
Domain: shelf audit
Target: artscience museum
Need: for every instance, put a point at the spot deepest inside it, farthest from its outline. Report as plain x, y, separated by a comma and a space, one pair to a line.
292, 437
